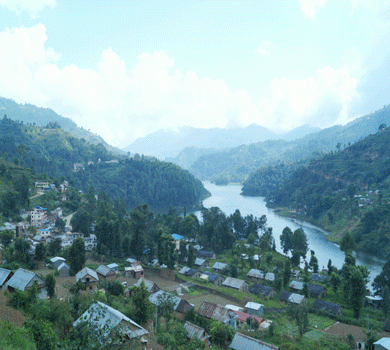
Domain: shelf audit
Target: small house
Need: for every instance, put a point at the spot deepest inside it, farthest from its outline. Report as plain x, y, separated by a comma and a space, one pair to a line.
196, 332
382, 344
23, 280
218, 266
296, 285
218, 313
192, 273
206, 254
201, 263
88, 278
105, 273
114, 267
241, 342
150, 286
255, 275
243, 316
268, 292
134, 271
317, 291
334, 309
63, 270
180, 305
254, 308
212, 277
107, 319
5, 276
235, 284
56, 262
292, 298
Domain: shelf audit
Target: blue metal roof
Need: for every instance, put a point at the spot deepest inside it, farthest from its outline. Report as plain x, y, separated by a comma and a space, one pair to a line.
177, 237
243, 342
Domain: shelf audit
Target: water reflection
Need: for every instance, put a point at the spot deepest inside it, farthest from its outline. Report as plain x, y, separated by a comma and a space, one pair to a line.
228, 199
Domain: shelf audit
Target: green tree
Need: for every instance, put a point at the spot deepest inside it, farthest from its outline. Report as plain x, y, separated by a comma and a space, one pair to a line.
335, 281
191, 255
76, 255
286, 240
44, 336
50, 283
222, 334
300, 315
286, 273
313, 263
6, 237
299, 242
386, 301
55, 246
143, 307
40, 252
13, 337
166, 304
347, 244
357, 291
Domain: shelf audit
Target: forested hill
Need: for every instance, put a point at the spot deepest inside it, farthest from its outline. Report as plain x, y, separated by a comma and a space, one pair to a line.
236, 164
53, 151
34, 115
346, 190
144, 180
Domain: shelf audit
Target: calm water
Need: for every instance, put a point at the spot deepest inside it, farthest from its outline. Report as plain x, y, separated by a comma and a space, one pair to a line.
228, 199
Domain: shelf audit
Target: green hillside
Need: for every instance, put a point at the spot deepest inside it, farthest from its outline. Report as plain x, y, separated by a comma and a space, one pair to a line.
54, 151
236, 164
345, 191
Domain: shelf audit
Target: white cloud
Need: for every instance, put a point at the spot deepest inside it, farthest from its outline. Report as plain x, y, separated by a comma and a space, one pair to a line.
263, 49
322, 100
310, 8
33, 7
121, 103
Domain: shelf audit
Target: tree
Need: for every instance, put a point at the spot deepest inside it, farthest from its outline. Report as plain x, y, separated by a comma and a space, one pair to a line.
143, 307
383, 279
347, 244
50, 283
300, 315
286, 240
357, 291
55, 247
6, 237
286, 273
386, 301
191, 255
183, 252
299, 242
44, 336
166, 304
222, 334
60, 224
313, 263
335, 281
76, 255
40, 252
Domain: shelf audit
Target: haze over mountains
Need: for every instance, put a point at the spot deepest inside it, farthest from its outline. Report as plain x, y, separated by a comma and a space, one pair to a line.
168, 143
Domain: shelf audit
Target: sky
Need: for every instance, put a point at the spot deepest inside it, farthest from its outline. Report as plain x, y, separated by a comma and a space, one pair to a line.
123, 69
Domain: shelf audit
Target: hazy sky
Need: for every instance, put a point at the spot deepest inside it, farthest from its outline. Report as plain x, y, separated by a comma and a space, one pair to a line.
126, 68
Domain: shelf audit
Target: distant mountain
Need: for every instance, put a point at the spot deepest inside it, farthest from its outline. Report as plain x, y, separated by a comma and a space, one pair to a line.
299, 132
237, 163
169, 143
31, 114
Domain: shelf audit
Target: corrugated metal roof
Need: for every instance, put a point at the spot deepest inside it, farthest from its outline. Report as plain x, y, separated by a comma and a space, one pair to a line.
214, 311
219, 266
183, 270
314, 289
199, 261
194, 331
296, 298
104, 270
270, 276
206, 309
21, 279
242, 316
57, 258
243, 342
297, 285
155, 298
233, 282
284, 295
113, 266
86, 271
253, 306
148, 284
326, 306
4, 273
107, 318
260, 289
255, 273
63, 265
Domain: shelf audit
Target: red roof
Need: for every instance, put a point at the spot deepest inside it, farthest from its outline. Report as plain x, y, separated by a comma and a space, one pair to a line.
242, 316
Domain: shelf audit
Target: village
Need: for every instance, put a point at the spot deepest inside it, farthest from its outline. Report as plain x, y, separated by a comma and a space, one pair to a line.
250, 305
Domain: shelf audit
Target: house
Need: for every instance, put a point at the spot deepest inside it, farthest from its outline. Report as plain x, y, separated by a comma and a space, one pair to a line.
254, 308
23, 280
183, 270
255, 275
114, 267
41, 185
134, 271
244, 342
296, 285
218, 266
218, 313
63, 270
107, 319
56, 261
177, 238
196, 332
268, 292
105, 273
180, 305
270, 277
8, 227
131, 261
5, 276
292, 298
235, 284
319, 278
206, 255
334, 309
89, 278
212, 277
201, 263
382, 344
150, 286
295, 274
243, 316
317, 291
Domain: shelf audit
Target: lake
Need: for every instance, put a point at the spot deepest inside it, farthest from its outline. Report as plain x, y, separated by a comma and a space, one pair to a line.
228, 199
